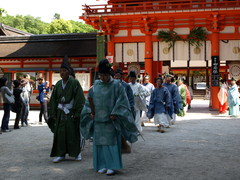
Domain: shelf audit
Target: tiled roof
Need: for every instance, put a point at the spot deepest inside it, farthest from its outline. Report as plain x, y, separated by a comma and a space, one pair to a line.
53, 45
10, 31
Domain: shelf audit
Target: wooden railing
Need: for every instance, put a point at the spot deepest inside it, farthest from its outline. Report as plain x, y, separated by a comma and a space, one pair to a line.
159, 6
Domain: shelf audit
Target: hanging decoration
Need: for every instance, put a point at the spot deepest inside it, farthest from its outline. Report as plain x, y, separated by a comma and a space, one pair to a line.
169, 37
197, 36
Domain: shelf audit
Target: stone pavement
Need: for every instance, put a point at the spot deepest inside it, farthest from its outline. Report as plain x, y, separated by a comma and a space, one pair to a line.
203, 145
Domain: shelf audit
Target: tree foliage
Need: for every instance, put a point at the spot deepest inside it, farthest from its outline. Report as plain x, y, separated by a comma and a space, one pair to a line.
59, 26
35, 25
2, 11
79, 27
57, 16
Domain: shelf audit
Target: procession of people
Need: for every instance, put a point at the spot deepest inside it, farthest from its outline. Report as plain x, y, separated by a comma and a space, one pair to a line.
109, 115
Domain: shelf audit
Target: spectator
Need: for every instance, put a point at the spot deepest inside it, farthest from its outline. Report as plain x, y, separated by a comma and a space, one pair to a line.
25, 107
233, 98
17, 106
6, 104
223, 96
43, 89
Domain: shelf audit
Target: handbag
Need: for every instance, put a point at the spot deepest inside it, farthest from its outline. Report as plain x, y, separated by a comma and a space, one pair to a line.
9, 98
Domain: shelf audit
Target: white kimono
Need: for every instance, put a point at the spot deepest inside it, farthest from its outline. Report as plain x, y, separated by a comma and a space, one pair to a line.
140, 93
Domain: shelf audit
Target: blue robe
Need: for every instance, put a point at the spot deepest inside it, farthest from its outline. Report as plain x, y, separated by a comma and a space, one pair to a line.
109, 99
129, 92
173, 89
233, 100
160, 102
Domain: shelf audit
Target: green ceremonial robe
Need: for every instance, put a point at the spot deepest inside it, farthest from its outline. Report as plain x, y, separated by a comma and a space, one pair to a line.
108, 99
182, 92
66, 127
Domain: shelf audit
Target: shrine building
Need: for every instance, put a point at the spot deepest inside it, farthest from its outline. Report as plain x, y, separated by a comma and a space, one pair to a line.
41, 55
132, 29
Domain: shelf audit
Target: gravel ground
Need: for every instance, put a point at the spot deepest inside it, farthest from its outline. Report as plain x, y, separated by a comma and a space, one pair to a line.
200, 146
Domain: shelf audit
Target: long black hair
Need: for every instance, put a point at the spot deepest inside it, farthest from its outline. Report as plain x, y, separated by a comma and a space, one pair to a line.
3, 81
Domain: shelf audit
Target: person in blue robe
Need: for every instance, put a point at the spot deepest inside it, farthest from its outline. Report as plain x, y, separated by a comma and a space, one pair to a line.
119, 75
159, 106
173, 89
233, 99
106, 117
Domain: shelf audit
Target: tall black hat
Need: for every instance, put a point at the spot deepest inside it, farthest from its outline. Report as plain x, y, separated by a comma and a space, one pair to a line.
65, 63
233, 79
104, 67
132, 74
119, 71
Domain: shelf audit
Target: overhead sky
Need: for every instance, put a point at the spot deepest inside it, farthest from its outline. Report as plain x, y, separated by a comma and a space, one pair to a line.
45, 9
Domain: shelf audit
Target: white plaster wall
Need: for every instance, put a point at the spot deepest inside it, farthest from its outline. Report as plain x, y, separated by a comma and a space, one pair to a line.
118, 52
228, 50
163, 55
201, 55
156, 33
181, 31
141, 51
179, 64
180, 51
121, 33
137, 32
130, 52
197, 63
228, 29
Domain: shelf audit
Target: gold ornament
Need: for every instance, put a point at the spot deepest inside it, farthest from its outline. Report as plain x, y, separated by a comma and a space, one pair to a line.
165, 50
197, 50
130, 52
236, 50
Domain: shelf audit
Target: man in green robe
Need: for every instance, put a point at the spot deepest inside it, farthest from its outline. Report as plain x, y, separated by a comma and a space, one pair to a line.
66, 103
105, 117
182, 92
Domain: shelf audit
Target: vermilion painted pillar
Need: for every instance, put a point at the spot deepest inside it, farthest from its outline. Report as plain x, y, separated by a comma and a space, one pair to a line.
156, 69
110, 46
111, 49
148, 55
215, 52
